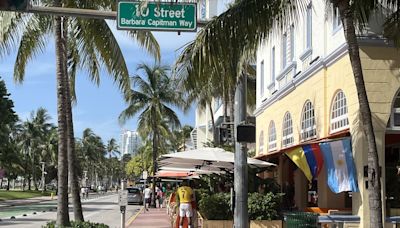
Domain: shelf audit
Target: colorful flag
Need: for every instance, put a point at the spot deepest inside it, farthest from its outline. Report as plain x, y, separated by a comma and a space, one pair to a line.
314, 158
340, 165
299, 158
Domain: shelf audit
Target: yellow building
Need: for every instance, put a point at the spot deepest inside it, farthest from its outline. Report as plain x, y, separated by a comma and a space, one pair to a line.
306, 93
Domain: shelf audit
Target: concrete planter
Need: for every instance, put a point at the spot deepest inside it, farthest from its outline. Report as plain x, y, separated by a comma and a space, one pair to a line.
253, 224
217, 223
266, 224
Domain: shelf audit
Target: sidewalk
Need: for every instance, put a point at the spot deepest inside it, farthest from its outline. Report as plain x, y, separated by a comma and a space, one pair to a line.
154, 218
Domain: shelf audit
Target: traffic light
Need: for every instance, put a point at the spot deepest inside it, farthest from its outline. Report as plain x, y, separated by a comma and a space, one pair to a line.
13, 5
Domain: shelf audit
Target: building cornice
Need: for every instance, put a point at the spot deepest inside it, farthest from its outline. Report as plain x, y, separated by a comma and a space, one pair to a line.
286, 70
337, 54
318, 64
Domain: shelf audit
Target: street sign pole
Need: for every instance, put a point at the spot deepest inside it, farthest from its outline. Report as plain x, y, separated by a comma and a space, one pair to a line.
122, 208
123, 202
144, 176
241, 215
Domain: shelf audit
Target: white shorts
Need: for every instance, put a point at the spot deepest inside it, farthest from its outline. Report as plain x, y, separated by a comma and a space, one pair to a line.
185, 209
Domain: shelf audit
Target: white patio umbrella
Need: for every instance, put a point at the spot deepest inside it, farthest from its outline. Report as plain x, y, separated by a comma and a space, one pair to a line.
212, 159
198, 171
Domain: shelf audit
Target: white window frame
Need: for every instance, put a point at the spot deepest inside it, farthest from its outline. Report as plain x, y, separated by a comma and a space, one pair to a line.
287, 130
336, 22
394, 111
284, 50
261, 142
273, 65
308, 126
271, 136
292, 49
262, 75
339, 113
308, 27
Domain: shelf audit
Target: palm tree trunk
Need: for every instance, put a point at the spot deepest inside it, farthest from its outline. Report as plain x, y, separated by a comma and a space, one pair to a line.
212, 122
29, 182
62, 198
155, 147
34, 172
374, 184
226, 102
75, 191
232, 113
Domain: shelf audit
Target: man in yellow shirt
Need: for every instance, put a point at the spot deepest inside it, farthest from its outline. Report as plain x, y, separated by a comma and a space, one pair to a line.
185, 194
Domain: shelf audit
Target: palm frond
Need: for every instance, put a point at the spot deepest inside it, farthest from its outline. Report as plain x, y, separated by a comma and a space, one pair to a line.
131, 110
11, 27
83, 45
147, 41
33, 41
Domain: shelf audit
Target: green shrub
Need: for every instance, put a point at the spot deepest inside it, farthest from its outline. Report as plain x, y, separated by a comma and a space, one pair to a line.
216, 206
76, 224
200, 193
264, 206
271, 185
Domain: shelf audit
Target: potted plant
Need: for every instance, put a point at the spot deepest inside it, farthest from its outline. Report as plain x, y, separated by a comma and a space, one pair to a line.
215, 211
264, 210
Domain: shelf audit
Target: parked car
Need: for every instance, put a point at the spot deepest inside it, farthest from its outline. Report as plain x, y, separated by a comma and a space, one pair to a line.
134, 196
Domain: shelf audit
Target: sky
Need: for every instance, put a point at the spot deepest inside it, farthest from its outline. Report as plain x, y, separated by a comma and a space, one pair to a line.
97, 108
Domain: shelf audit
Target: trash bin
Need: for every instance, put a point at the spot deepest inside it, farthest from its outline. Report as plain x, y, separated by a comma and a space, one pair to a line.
301, 219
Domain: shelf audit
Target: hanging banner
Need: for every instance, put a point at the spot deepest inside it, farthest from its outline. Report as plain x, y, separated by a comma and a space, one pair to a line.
340, 166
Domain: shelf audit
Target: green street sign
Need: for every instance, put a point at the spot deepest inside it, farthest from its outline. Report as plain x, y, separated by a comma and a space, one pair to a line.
165, 16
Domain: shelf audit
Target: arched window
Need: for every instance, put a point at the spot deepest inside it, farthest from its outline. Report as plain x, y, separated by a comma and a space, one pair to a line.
308, 129
339, 119
271, 136
394, 120
287, 136
261, 142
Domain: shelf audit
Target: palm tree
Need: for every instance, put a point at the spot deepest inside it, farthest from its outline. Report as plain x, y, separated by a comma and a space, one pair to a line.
247, 22
154, 92
112, 148
91, 143
93, 40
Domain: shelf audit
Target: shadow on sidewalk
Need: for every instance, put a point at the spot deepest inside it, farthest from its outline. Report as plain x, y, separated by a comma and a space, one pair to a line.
155, 218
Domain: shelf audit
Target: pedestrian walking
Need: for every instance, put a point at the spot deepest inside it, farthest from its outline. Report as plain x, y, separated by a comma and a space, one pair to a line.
186, 196
159, 195
147, 197
83, 192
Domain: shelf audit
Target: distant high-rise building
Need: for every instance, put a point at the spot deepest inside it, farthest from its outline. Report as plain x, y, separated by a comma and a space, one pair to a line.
130, 142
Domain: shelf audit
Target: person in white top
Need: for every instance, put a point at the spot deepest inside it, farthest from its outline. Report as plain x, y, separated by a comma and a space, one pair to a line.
147, 197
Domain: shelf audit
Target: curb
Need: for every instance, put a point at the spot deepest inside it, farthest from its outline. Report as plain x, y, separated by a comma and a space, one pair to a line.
130, 221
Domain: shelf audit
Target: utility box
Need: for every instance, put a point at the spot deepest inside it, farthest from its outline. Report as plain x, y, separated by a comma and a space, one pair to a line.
246, 133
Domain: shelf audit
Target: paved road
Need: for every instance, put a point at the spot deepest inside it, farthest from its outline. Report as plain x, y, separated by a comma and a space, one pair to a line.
102, 210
